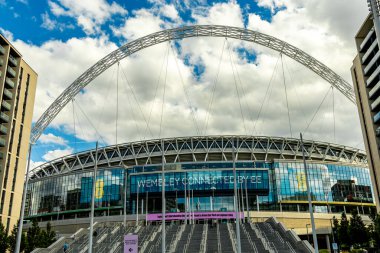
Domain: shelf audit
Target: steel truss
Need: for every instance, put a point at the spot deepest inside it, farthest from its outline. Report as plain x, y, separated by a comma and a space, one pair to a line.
202, 149
181, 33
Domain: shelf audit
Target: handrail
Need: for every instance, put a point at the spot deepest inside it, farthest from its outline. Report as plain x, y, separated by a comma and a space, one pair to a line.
232, 237
177, 237
290, 247
218, 236
249, 239
188, 238
204, 238
262, 237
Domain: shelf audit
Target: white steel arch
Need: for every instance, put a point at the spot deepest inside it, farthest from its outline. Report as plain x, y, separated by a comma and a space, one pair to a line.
180, 33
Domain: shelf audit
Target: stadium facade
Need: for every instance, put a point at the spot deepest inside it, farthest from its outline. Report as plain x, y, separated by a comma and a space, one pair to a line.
270, 178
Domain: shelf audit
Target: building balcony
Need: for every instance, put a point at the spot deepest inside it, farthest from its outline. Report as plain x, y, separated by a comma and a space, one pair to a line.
11, 72
5, 106
371, 65
366, 39
4, 117
3, 129
1, 62
12, 61
376, 118
9, 83
2, 142
374, 76
8, 95
1, 155
373, 48
2, 50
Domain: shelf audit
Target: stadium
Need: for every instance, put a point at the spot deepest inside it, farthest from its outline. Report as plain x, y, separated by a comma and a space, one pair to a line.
271, 179
270, 175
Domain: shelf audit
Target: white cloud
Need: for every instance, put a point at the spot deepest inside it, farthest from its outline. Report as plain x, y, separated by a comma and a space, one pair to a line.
34, 164
8, 35
132, 26
313, 34
89, 14
52, 139
169, 11
54, 154
23, 1
47, 22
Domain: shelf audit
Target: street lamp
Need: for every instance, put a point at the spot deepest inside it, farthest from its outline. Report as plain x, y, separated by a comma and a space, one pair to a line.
307, 232
213, 196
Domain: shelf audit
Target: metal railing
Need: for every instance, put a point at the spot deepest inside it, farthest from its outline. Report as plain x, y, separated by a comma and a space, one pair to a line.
204, 239
188, 238
218, 236
232, 237
249, 239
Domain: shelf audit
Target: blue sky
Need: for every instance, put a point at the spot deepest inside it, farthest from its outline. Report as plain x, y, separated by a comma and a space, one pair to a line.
72, 35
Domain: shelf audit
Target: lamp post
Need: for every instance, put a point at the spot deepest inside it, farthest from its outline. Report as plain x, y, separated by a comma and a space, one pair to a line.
21, 221
237, 218
213, 197
315, 240
307, 232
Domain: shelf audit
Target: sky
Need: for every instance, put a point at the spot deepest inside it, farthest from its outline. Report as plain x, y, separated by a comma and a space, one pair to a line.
195, 86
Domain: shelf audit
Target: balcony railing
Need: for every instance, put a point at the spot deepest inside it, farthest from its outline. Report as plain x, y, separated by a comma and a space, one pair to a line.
3, 129
2, 142
4, 117
2, 50
8, 94
5, 105
10, 84
11, 72
12, 61
376, 118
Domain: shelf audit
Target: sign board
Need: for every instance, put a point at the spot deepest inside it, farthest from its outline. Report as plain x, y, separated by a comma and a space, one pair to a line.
200, 180
334, 246
131, 243
197, 216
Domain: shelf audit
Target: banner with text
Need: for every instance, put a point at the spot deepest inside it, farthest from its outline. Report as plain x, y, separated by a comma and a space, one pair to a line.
196, 216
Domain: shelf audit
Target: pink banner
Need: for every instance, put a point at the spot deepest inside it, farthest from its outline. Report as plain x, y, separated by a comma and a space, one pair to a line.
197, 216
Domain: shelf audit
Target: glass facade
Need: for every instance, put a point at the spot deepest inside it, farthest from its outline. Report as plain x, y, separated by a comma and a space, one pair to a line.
277, 186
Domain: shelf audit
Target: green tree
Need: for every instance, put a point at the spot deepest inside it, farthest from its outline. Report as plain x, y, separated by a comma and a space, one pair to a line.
3, 239
335, 229
375, 230
47, 236
357, 230
33, 237
13, 238
343, 233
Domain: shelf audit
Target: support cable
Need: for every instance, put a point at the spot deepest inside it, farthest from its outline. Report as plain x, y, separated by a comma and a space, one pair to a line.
88, 119
75, 133
286, 96
117, 100
315, 113
163, 93
242, 87
289, 70
333, 107
186, 93
135, 98
236, 86
265, 97
156, 91
213, 89
134, 117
